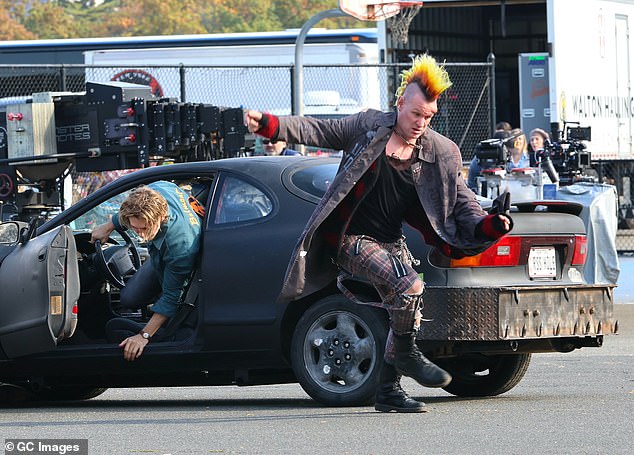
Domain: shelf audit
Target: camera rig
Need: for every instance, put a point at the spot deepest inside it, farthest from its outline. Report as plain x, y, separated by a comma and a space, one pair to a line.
569, 155
564, 161
561, 163
110, 126
493, 153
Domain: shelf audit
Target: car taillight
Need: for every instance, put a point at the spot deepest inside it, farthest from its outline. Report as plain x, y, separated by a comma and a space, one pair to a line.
505, 253
581, 250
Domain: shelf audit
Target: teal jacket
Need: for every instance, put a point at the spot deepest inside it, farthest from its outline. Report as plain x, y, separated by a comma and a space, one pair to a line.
174, 250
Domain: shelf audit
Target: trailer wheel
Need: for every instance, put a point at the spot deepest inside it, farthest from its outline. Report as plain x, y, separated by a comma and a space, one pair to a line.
478, 375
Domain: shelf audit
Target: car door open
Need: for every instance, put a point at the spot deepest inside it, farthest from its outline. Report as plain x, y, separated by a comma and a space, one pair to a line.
40, 288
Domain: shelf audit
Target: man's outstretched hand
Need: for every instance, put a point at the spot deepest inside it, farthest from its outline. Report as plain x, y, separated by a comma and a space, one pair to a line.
252, 120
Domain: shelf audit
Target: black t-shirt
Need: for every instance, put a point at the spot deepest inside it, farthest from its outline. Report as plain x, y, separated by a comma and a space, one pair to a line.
380, 214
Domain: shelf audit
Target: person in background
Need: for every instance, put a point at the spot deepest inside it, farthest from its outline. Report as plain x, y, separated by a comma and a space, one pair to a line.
538, 139
394, 168
272, 148
518, 152
503, 126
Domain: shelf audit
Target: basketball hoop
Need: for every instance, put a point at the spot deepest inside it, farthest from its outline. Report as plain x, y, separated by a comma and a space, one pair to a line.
399, 23
398, 14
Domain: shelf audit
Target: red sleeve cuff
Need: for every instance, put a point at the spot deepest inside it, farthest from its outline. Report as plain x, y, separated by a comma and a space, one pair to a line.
492, 227
269, 126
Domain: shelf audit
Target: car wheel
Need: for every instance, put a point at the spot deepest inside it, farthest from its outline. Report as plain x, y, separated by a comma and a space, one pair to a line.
63, 393
478, 375
337, 350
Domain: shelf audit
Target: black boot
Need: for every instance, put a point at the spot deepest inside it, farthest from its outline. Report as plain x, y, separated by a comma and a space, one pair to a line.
409, 361
391, 397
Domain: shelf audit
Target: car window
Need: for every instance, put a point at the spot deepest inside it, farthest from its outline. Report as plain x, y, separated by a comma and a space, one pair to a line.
241, 201
315, 180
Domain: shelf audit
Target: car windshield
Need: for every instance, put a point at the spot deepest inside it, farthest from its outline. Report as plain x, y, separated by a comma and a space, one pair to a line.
99, 214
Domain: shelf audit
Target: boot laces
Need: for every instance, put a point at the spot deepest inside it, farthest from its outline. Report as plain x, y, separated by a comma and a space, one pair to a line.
397, 391
418, 356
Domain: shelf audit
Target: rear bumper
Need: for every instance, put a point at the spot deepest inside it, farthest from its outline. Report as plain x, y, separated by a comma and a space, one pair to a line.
519, 313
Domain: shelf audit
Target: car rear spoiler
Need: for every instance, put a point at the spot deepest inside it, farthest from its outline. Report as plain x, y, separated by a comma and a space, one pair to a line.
556, 206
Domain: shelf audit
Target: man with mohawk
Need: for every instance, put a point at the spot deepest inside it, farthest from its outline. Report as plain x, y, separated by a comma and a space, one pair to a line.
394, 168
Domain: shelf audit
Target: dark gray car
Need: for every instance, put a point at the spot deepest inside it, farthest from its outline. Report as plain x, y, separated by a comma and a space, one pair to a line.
488, 313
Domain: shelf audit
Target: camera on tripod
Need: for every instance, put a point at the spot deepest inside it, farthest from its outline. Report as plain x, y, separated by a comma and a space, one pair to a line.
492, 153
569, 157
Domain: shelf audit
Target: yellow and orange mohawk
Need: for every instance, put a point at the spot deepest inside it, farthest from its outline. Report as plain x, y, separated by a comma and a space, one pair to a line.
431, 77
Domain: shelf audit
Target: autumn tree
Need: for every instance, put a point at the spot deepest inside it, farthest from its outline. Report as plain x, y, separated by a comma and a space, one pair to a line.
221, 16
92, 20
224, 16
50, 20
156, 17
71, 18
293, 13
11, 14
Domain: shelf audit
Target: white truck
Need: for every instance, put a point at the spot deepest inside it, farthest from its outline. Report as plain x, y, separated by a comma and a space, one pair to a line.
591, 72
238, 70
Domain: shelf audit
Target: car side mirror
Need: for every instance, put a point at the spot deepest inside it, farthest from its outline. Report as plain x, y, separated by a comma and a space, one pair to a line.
27, 233
9, 233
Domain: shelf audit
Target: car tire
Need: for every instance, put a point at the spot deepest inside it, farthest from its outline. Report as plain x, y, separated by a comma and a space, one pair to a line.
478, 375
337, 350
64, 393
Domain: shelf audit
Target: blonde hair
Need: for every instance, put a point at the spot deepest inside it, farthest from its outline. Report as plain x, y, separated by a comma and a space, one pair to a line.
519, 134
431, 77
144, 203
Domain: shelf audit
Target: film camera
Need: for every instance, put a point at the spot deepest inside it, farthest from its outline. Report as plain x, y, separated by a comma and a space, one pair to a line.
493, 153
567, 158
110, 126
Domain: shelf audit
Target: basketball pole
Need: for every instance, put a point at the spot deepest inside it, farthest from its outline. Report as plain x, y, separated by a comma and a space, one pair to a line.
298, 68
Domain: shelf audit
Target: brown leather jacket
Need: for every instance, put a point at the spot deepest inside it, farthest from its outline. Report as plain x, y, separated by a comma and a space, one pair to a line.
448, 211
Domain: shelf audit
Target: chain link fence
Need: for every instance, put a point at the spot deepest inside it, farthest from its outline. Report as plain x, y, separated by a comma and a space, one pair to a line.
621, 174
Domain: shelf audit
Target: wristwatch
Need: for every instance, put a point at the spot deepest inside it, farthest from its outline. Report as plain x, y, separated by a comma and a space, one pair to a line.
145, 335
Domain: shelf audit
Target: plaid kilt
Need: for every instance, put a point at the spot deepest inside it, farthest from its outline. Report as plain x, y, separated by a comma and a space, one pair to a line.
388, 267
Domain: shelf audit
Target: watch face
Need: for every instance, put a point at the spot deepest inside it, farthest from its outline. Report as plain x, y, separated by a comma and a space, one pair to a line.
145, 335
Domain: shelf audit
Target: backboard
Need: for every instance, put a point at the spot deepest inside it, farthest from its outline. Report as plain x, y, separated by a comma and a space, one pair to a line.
372, 10
398, 14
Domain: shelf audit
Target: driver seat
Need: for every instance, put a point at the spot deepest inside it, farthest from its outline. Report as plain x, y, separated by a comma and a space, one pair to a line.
179, 327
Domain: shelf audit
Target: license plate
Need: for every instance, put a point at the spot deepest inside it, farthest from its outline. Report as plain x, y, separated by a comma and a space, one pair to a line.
542, 262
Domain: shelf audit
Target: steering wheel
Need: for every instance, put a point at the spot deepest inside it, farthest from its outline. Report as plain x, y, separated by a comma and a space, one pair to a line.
117, 261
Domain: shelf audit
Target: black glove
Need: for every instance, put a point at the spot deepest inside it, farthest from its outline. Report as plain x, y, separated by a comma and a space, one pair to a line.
501, 205
492, 227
